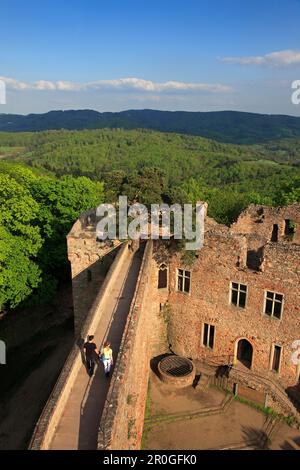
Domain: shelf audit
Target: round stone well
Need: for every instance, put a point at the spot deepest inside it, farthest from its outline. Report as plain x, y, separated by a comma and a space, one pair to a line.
177, 371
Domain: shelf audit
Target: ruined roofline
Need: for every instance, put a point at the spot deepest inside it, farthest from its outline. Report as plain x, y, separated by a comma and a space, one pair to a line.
79, 228
85, 226
261, 209
86, 223
251, 206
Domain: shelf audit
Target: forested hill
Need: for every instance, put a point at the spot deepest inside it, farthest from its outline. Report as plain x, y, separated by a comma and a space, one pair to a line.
47, 179
223, 126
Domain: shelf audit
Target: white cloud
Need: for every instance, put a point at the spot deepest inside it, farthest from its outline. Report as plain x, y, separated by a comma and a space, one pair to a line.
274, 59
15, 84
122, 84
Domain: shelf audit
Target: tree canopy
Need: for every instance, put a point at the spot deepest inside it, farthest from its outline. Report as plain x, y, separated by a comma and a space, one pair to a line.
36, 214
49, 178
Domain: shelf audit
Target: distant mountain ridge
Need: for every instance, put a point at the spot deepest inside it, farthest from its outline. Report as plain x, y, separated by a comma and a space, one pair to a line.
224, 126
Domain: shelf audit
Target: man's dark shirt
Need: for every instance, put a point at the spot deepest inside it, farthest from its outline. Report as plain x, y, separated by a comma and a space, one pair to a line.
90, 350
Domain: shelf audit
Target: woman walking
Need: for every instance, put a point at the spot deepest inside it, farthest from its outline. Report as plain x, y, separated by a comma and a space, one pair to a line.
107, 358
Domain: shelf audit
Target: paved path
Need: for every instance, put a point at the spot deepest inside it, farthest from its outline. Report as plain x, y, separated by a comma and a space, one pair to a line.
79, 423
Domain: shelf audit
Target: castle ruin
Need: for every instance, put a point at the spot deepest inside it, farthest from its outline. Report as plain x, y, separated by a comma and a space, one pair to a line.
235, 307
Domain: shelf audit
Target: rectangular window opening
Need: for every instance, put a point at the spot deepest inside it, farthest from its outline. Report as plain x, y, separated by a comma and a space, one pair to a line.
184, 281
208, 336
273, 304
277, 350
238, 294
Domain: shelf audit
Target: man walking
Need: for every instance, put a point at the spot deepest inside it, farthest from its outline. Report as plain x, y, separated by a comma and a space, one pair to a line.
91, 354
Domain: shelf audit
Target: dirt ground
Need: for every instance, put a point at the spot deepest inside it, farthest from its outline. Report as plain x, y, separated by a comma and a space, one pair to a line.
166, 399
239, 426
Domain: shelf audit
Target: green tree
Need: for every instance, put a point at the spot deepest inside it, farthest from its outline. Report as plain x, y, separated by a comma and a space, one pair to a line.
20, 242
36, 214
19, 274
146, 186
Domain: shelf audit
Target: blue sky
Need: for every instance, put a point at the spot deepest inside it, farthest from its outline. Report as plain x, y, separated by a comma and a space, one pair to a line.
114, 55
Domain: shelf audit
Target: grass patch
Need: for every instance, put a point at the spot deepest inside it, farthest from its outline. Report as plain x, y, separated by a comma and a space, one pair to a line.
264, 409
131, 399
148, 404
268, 411
146, 416
131, 424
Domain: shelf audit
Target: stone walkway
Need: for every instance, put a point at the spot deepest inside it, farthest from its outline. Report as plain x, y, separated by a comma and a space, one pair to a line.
78, 426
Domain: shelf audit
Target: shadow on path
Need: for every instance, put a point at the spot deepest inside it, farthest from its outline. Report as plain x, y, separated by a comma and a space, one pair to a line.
97, 388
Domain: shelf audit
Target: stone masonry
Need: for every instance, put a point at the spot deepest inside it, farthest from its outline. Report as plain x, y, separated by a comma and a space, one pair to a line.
90, 260
236, 302
246, 253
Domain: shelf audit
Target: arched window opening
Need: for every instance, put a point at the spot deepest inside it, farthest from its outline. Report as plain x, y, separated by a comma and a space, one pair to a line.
163, 276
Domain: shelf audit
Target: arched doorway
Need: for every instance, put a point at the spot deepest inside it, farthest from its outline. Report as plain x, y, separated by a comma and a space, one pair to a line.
245, 353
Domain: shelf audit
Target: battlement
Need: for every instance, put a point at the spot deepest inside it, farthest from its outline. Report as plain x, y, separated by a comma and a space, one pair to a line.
271, 223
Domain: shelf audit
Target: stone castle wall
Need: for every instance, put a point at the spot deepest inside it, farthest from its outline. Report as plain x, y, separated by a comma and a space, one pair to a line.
123, 416
220, 262
50, 416
90, 261
163, 319
260, 220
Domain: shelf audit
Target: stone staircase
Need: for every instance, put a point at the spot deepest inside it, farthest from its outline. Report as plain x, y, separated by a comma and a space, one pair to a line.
184, 416
271, 427
212, 369
203, 382
260, 442
293, 445
269, 386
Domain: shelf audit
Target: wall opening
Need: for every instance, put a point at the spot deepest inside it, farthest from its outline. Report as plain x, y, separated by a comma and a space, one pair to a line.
254, 259
276, 358
208, 339
273, 304
238, 294
245, 353
162, 277
274, 236
289, 229
183, 280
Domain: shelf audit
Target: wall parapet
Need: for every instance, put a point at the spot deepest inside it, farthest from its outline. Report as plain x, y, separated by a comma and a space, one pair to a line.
49, 418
